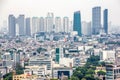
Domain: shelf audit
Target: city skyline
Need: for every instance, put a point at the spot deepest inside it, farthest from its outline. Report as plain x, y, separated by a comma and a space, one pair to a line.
59, 8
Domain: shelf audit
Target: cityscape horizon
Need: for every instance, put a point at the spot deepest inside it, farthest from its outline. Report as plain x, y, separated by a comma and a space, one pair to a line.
59, 40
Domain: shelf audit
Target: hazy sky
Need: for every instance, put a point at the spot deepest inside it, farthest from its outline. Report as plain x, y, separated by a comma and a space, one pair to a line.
59, 8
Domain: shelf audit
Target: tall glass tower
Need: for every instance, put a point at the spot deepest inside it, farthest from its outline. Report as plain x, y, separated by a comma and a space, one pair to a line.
105, 21
77, 23
28, 26
21, 23
12, 25
96, 20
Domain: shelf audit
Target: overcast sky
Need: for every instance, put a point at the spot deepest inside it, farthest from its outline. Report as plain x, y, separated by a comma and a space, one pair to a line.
59, 8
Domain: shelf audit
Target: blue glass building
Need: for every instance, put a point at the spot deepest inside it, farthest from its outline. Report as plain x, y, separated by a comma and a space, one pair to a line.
105, 21
96, 20
12, 25
77, 23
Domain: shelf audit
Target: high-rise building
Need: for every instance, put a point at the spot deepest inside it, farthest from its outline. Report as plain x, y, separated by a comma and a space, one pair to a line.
42, 24
21, 24
66, 27
35, 25
112, 72
12, 27
77, 23
89, 28
58, 27
20, 21
86, 28
49, 21
28, 26
96, 20
57, 59
16, 58
105, 21
71, 25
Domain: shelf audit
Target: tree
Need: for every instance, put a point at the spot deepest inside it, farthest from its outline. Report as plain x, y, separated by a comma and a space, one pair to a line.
90, 71
102, 63
53, 79
8, 76
83, 79
89, 77
101, 72
78, 74
41, 49
74, 78
94, 60
19, 69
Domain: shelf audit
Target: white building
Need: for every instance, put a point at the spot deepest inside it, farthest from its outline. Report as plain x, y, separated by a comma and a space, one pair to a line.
6, 56
40, 61
36, 70
35, 25
66, 62
41, 24
66, 26
86, 28
58, 27
49, 22
107, 55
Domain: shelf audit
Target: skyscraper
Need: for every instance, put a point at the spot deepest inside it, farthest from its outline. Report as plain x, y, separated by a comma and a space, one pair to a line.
86, 28
21, 24
105, 21
77, 23
42, 24
28, 26
96, 20
49, 21
66, 27
58, 27
35, 25
12, 27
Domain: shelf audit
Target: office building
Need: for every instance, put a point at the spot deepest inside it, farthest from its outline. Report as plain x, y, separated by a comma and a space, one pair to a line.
105, 21
35, 25
49, 22
28, 27
71, 26
112, 72
108, 55
57, 52
36, 70
96, 20
21, 24
16, 58
59, 72
42, 29
86, 28
58, 27
12, 26
7, 60
77, 23
39, 61
66, 27
16, 25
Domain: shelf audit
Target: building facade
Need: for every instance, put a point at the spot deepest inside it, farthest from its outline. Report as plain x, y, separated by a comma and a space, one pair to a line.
105, 23
77, 23
96, 20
